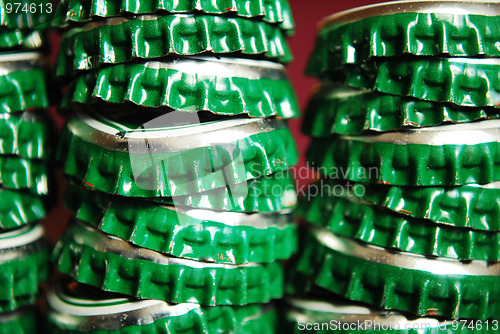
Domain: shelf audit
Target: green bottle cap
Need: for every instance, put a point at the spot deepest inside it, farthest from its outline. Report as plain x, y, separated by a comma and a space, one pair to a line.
21, 14
204, 235
80, 308
224, 86
18, 208
27, 134
198, 234
17, 39
22, 321
322, 317
22, 82
112, 264
338, 109
21, 174
474, 206
345, 214
157, 158
266, 322
120, 40
400, 281
24, 265
425, 28
272, 11
446, 155
271, 193
472, 82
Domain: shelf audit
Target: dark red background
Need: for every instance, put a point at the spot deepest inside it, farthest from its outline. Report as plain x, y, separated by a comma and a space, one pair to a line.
306, 14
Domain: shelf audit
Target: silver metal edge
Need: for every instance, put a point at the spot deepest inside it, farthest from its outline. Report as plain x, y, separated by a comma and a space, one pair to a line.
88, 317
83, 126
379, 255
460, 7
344, 313
27, 240
21, 252
473, 133
84, 234
256, 220
21, 61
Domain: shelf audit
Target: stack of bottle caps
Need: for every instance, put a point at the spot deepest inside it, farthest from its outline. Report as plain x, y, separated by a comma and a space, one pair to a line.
405, 130
177, 153
26, 149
